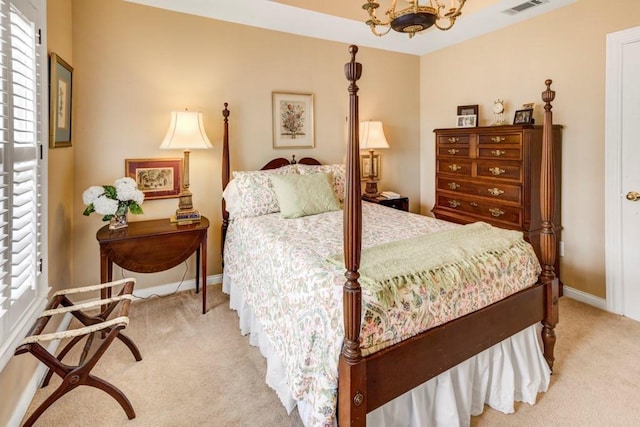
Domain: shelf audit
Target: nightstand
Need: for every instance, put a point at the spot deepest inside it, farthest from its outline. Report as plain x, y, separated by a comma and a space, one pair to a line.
401, 203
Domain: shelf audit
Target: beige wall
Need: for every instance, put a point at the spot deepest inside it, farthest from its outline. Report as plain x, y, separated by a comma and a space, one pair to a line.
135, 64
15, 377
568, 46
61, 161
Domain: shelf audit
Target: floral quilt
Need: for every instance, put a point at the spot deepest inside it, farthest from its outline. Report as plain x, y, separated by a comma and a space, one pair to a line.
282, 268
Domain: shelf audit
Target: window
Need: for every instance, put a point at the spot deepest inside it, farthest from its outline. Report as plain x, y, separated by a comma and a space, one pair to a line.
22, 282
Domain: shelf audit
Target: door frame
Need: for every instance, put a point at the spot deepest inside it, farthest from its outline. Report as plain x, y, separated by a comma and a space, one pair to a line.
613, 164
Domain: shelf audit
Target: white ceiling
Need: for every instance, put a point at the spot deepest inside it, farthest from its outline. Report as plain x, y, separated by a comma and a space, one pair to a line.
475, 20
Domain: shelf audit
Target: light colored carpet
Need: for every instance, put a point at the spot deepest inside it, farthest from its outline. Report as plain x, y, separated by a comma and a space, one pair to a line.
197, 370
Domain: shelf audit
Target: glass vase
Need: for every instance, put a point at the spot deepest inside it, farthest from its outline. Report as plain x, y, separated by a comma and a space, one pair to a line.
118, 221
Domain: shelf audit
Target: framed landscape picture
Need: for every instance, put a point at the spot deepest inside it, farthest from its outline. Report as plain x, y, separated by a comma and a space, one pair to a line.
292, 120
156, 178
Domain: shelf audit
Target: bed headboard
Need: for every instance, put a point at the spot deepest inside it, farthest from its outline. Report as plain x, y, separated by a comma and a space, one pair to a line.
281, 161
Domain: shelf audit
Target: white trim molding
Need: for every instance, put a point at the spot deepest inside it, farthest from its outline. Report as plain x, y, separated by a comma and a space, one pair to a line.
584, 297
170, 288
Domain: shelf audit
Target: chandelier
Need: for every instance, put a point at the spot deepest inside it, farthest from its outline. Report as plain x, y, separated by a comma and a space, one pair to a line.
415, 17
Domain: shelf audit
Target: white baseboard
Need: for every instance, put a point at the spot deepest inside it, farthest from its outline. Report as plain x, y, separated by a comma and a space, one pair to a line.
584, 297
171, 288
38, 376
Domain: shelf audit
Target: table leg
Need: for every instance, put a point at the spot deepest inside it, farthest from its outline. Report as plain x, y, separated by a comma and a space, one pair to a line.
106, 274
204, 273
198, 269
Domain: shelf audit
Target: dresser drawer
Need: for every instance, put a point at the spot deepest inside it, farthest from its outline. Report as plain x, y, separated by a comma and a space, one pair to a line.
492, 190
496, 151
481, 210
453, 150
453, 139
508, 138
499, 170
454, 166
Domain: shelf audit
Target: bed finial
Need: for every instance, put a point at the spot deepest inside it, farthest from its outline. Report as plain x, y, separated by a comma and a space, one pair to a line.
353, 69
353, 49
548, 95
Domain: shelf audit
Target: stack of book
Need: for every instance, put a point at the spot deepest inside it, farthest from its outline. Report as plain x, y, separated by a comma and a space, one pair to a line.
186, 216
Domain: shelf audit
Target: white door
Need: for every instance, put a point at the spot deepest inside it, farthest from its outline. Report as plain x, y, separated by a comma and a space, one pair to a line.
622, 211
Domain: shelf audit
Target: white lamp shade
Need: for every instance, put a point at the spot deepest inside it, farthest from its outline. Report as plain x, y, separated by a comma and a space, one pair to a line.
186, 132
372, 136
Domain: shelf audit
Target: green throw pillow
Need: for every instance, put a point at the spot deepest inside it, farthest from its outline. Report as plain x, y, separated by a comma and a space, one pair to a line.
302, 195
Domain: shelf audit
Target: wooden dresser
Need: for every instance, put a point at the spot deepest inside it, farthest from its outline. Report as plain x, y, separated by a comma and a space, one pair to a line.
492, 174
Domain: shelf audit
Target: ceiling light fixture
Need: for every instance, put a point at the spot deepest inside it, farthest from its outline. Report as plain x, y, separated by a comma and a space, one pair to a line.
415, 17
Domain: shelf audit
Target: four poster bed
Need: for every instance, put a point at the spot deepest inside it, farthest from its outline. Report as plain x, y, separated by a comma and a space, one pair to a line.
385, 347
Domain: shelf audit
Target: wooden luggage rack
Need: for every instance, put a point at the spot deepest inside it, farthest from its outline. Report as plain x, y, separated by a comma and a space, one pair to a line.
109, 329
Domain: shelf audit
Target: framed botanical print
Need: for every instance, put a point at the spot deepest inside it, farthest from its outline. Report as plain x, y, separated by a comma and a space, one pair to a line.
60, 89
292, 120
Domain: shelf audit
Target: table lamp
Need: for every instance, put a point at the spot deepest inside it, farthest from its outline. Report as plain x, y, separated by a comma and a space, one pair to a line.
372, 137
186, 132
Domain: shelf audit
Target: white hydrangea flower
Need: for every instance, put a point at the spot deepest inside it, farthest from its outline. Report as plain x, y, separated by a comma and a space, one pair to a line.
91, 194
126, 190
105, 206
125, 182
138, 197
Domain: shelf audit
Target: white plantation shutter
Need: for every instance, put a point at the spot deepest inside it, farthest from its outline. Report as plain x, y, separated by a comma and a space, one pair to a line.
22, 288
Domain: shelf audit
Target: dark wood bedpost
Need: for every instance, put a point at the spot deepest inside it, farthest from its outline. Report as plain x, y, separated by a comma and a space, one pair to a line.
225, 175
352, 408
547, 235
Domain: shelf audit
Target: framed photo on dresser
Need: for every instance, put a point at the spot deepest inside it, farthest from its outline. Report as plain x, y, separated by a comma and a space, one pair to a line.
523, 117
467, 121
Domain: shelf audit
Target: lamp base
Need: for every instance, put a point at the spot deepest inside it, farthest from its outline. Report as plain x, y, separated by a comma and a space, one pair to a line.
371, 189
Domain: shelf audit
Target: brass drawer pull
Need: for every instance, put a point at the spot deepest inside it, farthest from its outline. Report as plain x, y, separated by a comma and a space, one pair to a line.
496, 171
474, 204
453, 185
495, 191
498, 153
498, 139
453, 151
496, 212
454, 203
453, 139
455, 167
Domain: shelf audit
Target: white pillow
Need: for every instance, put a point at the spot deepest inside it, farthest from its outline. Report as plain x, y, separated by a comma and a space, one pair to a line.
255, 192
231, 196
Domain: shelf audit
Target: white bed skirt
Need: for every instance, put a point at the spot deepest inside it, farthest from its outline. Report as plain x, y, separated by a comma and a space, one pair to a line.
512, 370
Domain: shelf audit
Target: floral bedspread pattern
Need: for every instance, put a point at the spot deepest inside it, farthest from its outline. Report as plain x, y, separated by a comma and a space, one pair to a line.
297, 294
